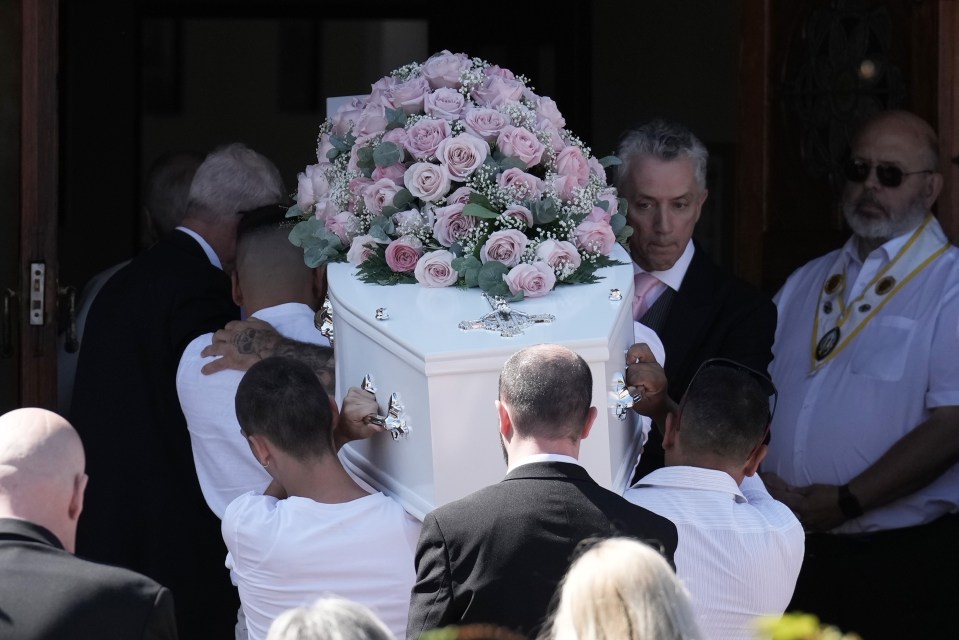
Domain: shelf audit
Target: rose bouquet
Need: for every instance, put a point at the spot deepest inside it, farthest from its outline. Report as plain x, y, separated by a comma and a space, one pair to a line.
454, 172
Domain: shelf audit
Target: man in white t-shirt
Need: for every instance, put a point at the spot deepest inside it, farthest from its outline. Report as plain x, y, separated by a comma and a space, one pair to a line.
739, 551
314, 531
271, 282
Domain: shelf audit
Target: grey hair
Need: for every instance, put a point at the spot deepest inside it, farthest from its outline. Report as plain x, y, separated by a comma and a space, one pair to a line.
621, 589
168, 189
330, 618
234, 178
664, 140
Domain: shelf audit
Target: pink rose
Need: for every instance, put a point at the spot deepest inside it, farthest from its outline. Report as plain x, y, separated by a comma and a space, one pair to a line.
371, 122
571, 161
323, 148
534, 280
346, 115
461, 195
380, 91
518, 142
361, 248
595, 237
358, 185
497, 90
611, 204
559, 254
410, 95
408, 222
485, 123
547, 113
445, 69
435, 269
523, 186
311, 185
462, 155
398, 137
425, 135
519, 212
505, 246
597, 169
565, 186
450, 225
403, 253
445, 103
379, 194
393, 172
427, 181
343, 224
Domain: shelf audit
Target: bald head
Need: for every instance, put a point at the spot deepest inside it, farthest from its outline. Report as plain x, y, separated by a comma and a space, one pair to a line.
916, 134
41, 471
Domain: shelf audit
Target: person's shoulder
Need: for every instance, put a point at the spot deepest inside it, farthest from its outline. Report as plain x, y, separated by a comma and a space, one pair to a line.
117, 580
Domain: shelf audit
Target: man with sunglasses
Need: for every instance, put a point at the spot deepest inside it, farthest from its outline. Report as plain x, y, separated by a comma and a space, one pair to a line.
739, 549
867, 433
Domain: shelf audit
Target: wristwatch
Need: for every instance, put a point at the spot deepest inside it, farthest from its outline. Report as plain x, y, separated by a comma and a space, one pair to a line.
848, 503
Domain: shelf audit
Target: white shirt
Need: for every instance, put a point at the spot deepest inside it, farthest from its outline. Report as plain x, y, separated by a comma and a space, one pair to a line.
207, 249
287, 553
225, 466
672, 277
832, 425
739, 550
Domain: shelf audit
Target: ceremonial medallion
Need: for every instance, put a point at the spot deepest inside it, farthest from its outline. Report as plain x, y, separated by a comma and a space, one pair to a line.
833, 283
864, 308
828, 343
885, 285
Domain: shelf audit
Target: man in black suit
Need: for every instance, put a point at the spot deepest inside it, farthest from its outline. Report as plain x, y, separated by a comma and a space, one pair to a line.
697, 309
46, 592
145, 510
497, 555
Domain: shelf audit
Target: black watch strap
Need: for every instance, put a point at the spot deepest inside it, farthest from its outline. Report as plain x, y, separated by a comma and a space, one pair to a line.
848, 503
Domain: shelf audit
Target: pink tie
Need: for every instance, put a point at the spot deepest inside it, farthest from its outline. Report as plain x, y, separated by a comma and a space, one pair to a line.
643, 285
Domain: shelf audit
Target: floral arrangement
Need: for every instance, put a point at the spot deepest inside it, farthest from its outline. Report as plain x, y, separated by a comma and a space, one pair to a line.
796, 625
453, 172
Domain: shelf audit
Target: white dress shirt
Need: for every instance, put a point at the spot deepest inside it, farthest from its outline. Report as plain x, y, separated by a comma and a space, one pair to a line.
287, 553
739, 551
832, 425
225, 466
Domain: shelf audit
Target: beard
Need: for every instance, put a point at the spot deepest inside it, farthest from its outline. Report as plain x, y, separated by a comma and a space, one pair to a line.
890, 225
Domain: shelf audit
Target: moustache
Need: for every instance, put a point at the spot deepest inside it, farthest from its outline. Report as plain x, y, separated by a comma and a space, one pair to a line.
868, 199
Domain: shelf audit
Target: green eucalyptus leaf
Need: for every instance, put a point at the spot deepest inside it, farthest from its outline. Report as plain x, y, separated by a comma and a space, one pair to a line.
479, 211
610, 161
491, 273
387, 154
403, 200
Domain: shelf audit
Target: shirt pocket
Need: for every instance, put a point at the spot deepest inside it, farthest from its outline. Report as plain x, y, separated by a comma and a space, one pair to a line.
883, 348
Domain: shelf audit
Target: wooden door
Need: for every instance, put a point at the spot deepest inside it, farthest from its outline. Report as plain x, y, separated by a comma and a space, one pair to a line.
28, 186
811, 69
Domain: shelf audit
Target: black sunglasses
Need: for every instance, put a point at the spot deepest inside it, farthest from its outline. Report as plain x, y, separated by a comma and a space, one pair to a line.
888, 175
764, 383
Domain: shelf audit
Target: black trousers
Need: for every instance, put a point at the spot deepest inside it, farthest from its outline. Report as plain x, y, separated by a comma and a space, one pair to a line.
899, 583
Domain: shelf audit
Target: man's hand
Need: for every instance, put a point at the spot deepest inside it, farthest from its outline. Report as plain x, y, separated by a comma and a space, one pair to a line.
354, 423
647, 379
819, 508
240, 345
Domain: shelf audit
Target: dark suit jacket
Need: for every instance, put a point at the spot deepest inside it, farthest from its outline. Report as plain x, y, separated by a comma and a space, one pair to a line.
497, 555
144, 509
714, 314
47, 593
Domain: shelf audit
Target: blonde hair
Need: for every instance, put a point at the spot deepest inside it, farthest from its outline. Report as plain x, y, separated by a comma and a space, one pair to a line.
329, 618
621, 589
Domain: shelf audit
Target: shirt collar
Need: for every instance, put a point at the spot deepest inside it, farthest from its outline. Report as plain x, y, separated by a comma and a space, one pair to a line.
697, 478
207, 249
672, 277
542, 457
884, 252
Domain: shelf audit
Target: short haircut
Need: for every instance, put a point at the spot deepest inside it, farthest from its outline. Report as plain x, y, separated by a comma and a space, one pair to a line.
167, 189
283, 400
724, 412
548, 389
330, 618
662, 139
233, 178
621, 589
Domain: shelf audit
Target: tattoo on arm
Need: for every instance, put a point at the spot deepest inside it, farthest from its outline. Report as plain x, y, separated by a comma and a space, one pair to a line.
319, 358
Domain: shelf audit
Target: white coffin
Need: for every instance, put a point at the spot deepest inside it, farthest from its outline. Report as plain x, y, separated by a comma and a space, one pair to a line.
446, 379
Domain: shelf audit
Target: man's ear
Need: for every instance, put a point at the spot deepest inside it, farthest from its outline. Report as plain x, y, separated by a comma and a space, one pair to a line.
672, 430
590, 419
76, 499
755, 459
931, 190
237, 293
262, 449
505, 422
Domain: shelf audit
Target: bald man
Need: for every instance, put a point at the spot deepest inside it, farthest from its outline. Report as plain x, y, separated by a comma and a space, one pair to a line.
47, 593
865, 440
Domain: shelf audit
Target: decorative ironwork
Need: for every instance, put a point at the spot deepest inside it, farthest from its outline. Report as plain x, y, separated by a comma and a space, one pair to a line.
504, 319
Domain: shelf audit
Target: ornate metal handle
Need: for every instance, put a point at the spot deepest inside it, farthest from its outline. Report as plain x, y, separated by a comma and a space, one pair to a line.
395, 420
620, 399
323, 320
